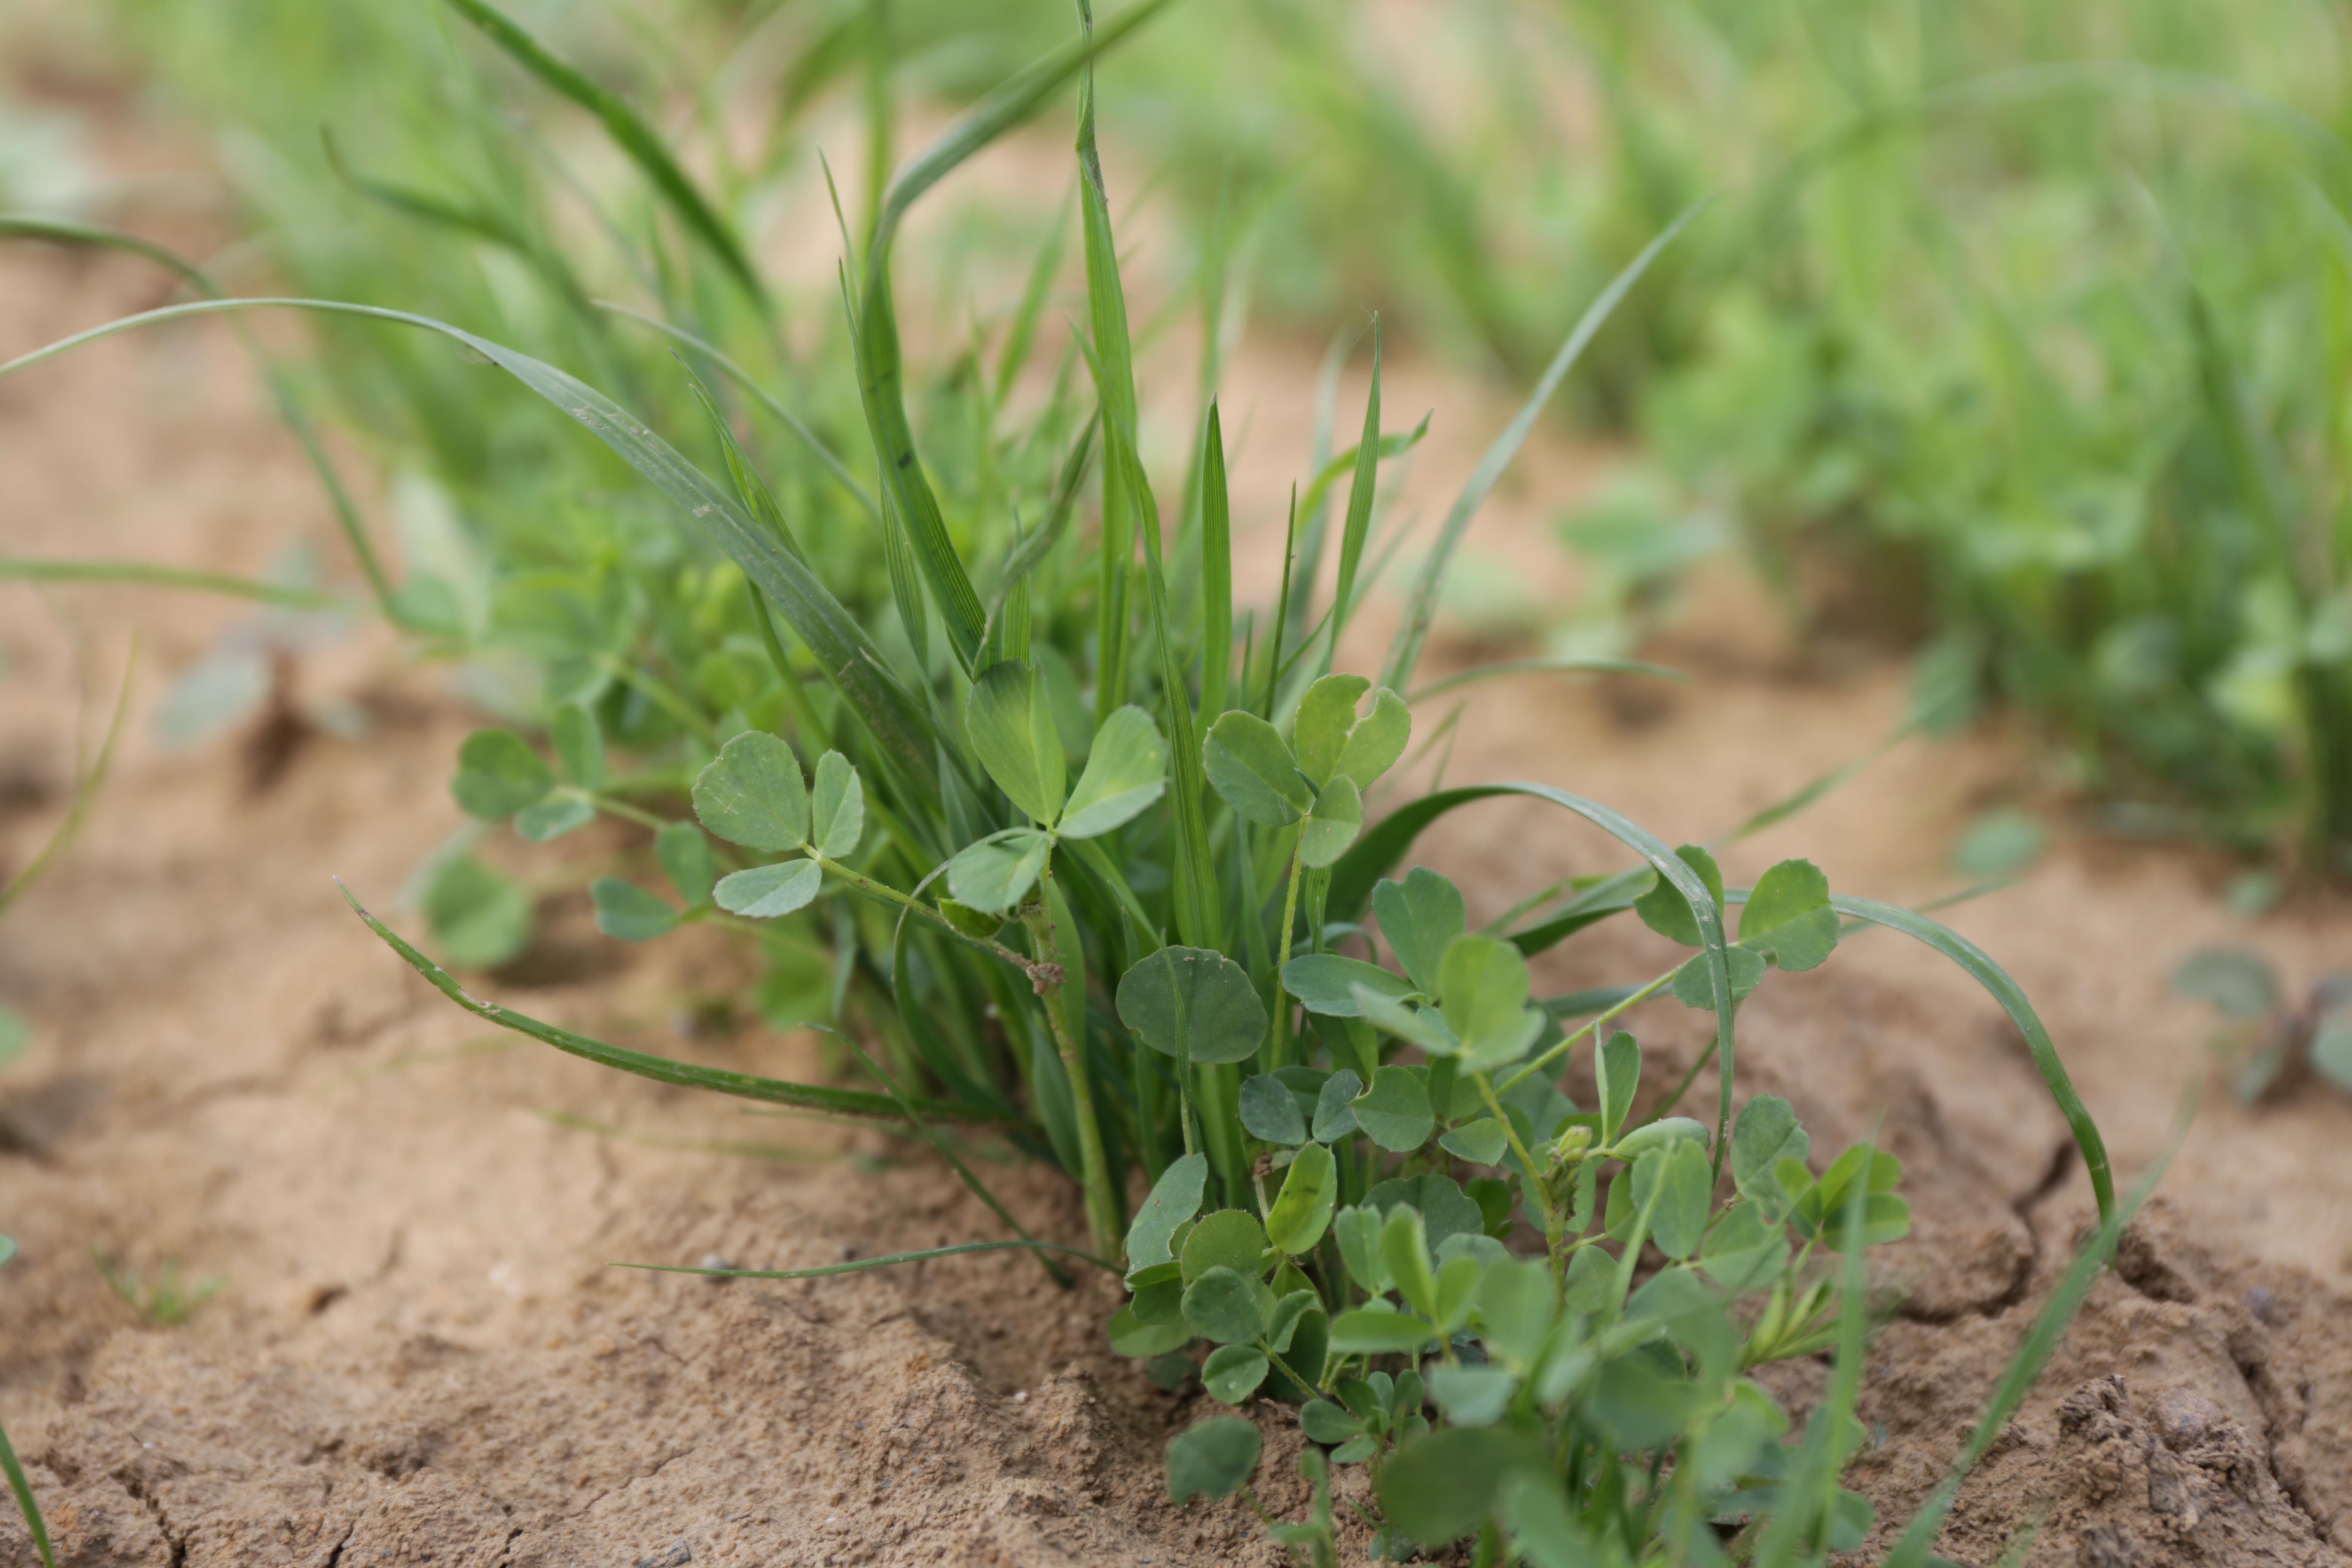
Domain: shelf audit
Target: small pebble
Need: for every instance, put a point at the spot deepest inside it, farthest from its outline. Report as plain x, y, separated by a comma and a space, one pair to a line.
1021, 1397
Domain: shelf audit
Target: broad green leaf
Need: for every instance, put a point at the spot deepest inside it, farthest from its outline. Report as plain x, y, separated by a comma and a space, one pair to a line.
1405, 1251
1211, 1459
1694, 981
1445, 1484
1337, 817
685, 856
1458, 1273
1233, 1373
544, 821
580, 742
1126, 772
1685, 1186
767, 892
2242, 985
1420, 918
1246, 759
1395, 1111
1334, 1119
1666, 911
627, 911
1175, 1198
1326, 983
1009, 720
836, 808
1224, 1020
1515, 1310
1789, 916
498, 776
1229, 1239
1591, 1279
1378, 740
1765, 1133
1303, 1210
753, 794
1446, 1211
479, 918
1329, 1423
1290, 1308
1544, 1529
1473, 1395
1422, 1027
1746, 1250
1132, 1336
1325, 714
1481, 1142
1368, 1332
1483, 987
1617, 1073
1358, 1230
998, 873
1224, 1306
1270, 1111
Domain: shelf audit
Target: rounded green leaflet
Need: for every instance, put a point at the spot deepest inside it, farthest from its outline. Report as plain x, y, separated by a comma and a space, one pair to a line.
1481, 1142
1233, 1373
1445, 1209
1659, 1133
2242, 985
1515, 1310
1694, 981
1395, 1111
764, 892
836, 808
685, 856
580, 742
753, 794
1420, 917
1617, 1074
1211, 1459
1788, 915
478, 918
498, 776
1665, 909
1329, 1423
550, 818
1269, 1110
1302, 1211
1765, 1133
1222, 1019
1370, 1332
998, 873
627, 911
1229, 1239
1378, 740
1358, 1230
1246, 760
1326, 713
1441, 1486
1337, 817
1126, 772
1473, 1395
1483, 983
1224, 1307
1326, 983
1684, 1184
1333, 1118
1129, 1335
1404, 1252
1009, 720
975, 923
1175, 1198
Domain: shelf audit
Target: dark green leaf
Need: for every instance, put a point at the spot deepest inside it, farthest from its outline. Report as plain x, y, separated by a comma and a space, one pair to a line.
1473, 1395
1404, 1252
1326, 1423
767, 892
685, 856
1132, 1336
1443, 1484
1229, 1239
1270, 1111
1515, 1310
1445, 1209
1766, 1134
1395, 1112
1225, 1306
975, 923
1211, 1459
1358, 1230
1246, 761
1233, 1373
1745, 1251
1481, 1142
1685, 1186
753, 794
1665, 909
1368, 1332
1420, 918
627, 911
1484, 985
1694, 981
1302, 1212
1175, 1198
1789, 916
1224, 1019
498, 776
1334, 1119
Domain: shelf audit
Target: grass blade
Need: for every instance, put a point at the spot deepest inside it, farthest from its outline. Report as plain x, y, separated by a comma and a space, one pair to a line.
629, 133
1216, 571
662, 1069
85, 793
863, 1264
1565, 664
171, 577
1421, 610
26, 1502
1359, 522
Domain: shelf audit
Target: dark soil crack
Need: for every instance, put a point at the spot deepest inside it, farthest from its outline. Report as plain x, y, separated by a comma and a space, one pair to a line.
136, 1485
335, 1558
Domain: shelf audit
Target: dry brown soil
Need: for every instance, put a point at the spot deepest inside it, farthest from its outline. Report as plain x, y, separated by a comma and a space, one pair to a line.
420, 1355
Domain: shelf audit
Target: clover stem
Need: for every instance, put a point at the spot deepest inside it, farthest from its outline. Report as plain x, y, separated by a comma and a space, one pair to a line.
624, 810
1046, 978
1592, 1028
1281, 956
891, 895
1555, 1228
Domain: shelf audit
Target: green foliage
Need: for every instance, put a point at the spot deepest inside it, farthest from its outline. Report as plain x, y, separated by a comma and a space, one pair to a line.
165, 1301
2267, 1032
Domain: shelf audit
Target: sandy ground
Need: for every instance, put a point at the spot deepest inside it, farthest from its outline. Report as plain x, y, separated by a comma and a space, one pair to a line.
420, 1355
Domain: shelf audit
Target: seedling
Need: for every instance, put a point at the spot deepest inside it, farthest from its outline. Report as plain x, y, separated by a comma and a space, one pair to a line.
167, 1300
2267, 1032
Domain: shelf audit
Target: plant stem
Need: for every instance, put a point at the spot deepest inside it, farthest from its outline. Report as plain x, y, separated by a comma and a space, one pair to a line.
1555, 1227
1281, 957
1045, 977
913, 905
1592, 1028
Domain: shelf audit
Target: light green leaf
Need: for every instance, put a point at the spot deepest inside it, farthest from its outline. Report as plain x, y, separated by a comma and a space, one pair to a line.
1326, 983
1473, 1395
1233, 1373
1211, 1459
1132, 1336
1765, 1133
1404, 1252
1302, 1212
13, 1034
1666, 911
1358, 1230
1481, 1142
1333, 1118
1378, 740
753, 794
1422, 1027
1224, 1307
1326, 1423
1224, 1019
766, 892
1269, 1110
580, 742
1443, 1484
1009, 720
1325, 714
685, 856
1395, 1111
1789, 916
1333, 824
1446, 1211
1126, 772
1229, 1239
1368, 1332
627, 911
2242, 985
544, 821
1617, 1074
836, 808
1246, 761
1685, 1184
1175, 1198
1483, 986
498, 776
1694, 981
1745, 1251
1515, 1310
1657, 1134
1419, 920
998, 873
479, 918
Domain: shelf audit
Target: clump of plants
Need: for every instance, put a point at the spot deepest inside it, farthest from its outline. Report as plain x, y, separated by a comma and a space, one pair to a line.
1085, 856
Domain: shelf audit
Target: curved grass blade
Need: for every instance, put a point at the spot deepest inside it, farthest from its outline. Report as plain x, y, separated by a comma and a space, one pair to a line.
1216, 570
863, 1264
629, 133
171, 577
1563, 664
85, 792
1404, 654
1357, 526
26, 1504
1033, 548
662, 1069
61, 231
849, 658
